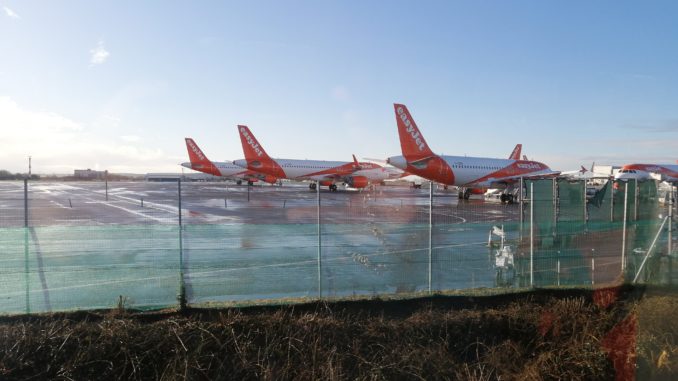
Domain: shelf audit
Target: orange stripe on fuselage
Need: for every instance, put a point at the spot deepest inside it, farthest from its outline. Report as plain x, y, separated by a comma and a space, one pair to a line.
344, 169
515, 169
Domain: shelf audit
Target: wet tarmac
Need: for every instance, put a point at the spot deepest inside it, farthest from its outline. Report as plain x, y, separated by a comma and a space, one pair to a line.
89, 243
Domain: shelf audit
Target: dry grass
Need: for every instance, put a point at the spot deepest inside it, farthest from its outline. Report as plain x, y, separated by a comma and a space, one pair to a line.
539, 335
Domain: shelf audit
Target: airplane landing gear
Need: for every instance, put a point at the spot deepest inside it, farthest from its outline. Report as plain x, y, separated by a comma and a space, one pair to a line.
506, 198
239, 182
333, 187
464, 193
250, 183
312, 186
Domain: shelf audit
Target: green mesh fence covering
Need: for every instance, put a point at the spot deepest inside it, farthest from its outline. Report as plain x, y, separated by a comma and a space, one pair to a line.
87, 267
590, 251
89, 247
599, 206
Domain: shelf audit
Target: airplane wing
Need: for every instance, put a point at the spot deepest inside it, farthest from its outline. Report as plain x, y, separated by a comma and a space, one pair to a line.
494, 182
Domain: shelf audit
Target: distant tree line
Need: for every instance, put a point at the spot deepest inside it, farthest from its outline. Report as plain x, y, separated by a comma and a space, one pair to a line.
7, 175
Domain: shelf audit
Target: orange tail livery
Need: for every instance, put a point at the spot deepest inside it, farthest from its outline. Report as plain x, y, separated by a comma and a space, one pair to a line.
199, 160
413, 145
515, 155
419, 157
255, 155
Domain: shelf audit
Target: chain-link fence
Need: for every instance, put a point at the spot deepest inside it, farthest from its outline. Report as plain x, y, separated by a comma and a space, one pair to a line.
89, 245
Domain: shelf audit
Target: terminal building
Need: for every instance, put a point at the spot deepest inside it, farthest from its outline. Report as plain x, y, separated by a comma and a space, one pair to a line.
166, 177
89, 174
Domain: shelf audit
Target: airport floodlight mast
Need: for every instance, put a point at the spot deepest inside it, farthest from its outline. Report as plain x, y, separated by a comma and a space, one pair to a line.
29, 166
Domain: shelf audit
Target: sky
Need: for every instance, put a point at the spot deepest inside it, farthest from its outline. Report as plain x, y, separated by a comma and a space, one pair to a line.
118, 85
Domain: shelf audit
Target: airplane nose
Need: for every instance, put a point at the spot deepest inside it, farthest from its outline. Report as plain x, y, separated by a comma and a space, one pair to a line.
397, 161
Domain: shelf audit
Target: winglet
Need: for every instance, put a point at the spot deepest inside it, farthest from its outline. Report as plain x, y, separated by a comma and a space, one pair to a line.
515, 155
412, 143
250, 146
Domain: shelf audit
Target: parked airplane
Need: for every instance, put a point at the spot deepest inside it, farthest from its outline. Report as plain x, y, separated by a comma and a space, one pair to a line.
397, 173
515, 155
463, 171
325, 173
581, 174
663, 172
200, 162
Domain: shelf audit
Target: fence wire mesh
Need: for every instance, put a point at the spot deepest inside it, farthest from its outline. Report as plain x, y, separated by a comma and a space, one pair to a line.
91, 245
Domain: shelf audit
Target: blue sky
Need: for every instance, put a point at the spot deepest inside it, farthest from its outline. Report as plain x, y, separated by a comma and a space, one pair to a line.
118, 84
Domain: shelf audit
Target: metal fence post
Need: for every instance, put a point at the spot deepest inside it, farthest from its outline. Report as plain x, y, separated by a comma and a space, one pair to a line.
106, 189
26, 203
558, 271
670, 221
26, 267
522, 204
555, 191
182, 286
320, 282
593, 266
430, 236
531, 234
612, 201
649, 251
585, 209
623, 254
635, 199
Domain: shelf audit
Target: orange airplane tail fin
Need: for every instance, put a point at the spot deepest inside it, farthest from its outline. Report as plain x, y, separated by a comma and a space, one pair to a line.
199, 160
412, 143
251, 148
515, 155
195, 154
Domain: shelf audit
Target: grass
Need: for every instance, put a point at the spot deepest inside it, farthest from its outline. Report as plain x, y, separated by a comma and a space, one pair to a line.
536, 335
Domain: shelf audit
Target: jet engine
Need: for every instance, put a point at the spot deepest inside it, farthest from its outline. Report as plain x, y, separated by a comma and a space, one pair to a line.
358, 181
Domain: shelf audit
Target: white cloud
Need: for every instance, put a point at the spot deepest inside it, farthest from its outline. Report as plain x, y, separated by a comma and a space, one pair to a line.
99, 54
59, 144
131, 138
11, 13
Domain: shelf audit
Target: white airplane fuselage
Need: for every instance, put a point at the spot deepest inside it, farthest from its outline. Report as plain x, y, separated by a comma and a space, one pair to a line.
225, 169
473, 171
642, 172
299, 169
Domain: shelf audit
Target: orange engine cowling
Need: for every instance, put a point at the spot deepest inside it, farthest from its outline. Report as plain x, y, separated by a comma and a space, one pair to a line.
435, 169
270, 179
358, 182
326, 183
